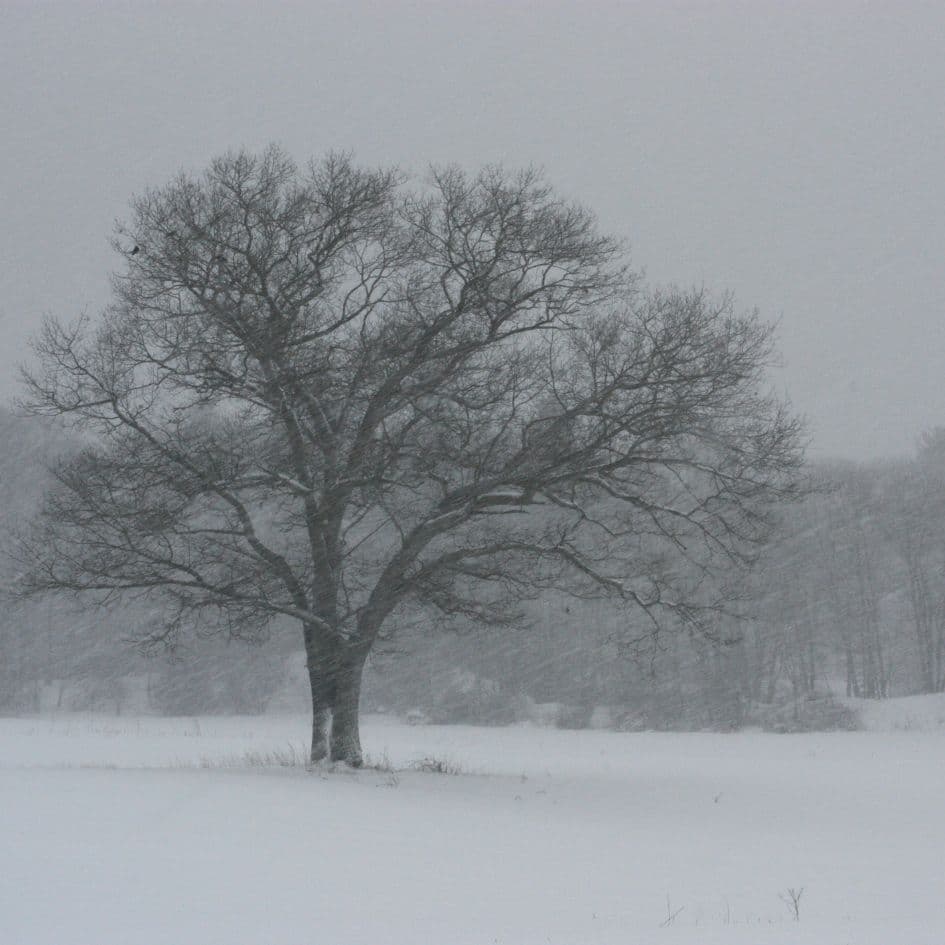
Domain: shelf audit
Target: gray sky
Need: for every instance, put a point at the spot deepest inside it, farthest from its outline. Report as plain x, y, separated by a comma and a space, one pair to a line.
793, 153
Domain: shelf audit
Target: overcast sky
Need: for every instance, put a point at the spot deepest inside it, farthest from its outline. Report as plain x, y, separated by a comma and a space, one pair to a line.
792, 153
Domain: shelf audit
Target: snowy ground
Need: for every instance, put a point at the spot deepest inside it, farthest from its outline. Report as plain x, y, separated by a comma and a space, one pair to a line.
112, 833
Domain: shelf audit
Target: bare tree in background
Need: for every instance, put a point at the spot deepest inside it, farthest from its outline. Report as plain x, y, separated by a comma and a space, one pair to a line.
912, 521
322, 395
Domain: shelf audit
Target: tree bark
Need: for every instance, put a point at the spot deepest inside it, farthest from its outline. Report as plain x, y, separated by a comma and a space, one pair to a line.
321, 683
321, 712
334, 673
345, 723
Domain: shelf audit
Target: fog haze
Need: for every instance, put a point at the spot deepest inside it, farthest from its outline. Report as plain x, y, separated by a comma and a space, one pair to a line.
791, 155
627, 667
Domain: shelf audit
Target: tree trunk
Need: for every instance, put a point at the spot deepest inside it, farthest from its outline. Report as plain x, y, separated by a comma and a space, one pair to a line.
321, 683
345, 731
334, 675
322, 699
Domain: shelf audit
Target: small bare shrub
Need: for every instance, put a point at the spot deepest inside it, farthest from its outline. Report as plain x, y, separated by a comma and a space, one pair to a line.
792, 900
432, 765
671, 914
380, 763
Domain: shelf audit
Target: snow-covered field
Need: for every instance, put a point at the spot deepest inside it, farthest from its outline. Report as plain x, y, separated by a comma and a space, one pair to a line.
117, 831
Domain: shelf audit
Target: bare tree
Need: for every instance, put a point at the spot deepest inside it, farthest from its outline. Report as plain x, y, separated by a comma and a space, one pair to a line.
322, 395
912, 520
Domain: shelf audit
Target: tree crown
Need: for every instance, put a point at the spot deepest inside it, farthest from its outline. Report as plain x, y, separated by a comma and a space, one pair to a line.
321, 393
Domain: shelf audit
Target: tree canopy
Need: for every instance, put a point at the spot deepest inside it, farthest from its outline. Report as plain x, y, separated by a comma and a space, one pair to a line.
325, 393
